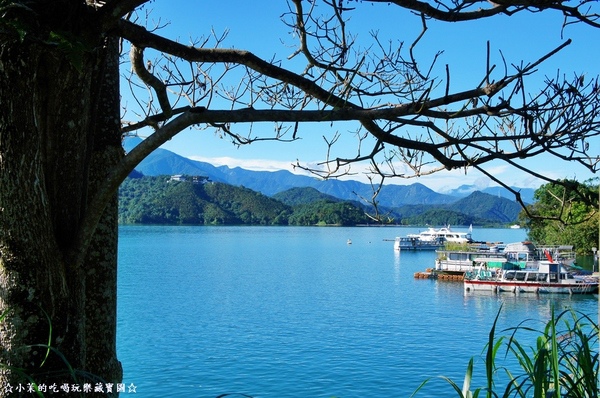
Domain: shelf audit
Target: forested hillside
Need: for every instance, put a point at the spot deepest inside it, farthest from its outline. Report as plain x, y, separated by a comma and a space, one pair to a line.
478, 209
161, 200
302, 196
437, 216
488, 207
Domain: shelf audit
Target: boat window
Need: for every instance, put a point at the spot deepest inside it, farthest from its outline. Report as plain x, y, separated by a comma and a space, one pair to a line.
531, 276
553, 277
509, 275
459, 256
542, 277
566, 276
520, 276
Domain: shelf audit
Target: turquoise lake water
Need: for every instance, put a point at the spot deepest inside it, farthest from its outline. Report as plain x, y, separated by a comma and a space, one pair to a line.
298, 312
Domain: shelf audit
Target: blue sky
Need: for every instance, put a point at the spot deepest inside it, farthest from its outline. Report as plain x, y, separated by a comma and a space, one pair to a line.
256, 26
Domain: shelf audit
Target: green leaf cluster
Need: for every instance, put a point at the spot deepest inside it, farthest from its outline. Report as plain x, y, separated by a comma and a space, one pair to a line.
15, 17
20, 19
564, 215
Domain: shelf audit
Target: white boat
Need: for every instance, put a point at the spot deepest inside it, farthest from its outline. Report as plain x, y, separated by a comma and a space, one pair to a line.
414, 243
432, 239
549, 277
432, 235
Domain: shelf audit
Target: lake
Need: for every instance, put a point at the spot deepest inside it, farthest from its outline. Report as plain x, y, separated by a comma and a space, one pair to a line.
299, 312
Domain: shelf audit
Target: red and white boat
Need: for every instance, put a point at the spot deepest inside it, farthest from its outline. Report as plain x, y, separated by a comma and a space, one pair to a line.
549, 277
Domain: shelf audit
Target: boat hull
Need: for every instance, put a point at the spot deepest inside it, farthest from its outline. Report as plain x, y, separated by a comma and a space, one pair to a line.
530, 287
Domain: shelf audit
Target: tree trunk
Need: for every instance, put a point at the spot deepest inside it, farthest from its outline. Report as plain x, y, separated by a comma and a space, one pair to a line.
59, 135
101, 262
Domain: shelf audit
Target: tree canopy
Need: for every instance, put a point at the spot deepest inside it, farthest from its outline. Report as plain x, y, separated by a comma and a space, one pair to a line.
562, 215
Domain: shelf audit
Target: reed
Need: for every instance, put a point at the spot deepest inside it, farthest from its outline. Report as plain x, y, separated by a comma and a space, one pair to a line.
562, 363
453, 246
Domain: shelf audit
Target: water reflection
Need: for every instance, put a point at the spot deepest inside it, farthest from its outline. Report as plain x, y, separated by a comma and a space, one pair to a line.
397, 266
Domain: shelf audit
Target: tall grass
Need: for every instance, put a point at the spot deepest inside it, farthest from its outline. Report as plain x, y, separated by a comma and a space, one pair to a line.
562, 363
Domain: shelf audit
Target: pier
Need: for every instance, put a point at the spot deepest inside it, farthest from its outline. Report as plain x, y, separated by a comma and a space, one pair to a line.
430, 273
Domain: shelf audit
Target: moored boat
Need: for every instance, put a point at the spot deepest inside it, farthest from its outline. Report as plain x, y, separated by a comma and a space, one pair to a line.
528, 255
460, 261
432, 239
549, 277
522, 254
414, 243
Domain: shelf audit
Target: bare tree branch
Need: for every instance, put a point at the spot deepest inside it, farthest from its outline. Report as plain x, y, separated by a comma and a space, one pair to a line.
466, 10
404, 114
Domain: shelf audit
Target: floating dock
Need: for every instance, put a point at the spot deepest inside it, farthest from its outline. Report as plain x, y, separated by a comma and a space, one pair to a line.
430, 273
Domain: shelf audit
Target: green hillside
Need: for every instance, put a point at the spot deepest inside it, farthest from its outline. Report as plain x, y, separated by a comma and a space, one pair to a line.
445, 217
302, 196
477, 209
489, 207
324, 212
160, 200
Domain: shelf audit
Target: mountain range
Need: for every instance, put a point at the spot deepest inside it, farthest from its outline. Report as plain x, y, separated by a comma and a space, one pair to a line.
165, 162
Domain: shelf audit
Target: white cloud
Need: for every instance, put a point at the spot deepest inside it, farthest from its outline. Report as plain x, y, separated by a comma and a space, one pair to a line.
359, 172
248, 164
441, 181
